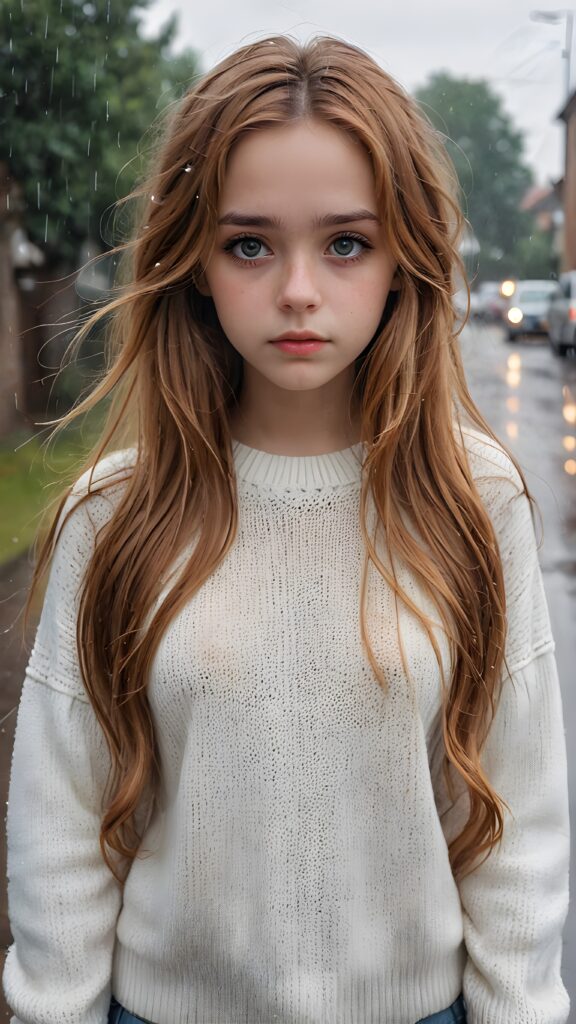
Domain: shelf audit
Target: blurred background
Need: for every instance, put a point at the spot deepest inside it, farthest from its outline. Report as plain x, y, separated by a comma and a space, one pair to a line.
83, 86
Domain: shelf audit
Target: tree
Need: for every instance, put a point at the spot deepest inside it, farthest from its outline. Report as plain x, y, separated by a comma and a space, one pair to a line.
487, 152
79, 87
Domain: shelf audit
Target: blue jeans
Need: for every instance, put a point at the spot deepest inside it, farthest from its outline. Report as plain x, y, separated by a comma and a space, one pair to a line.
455, 1014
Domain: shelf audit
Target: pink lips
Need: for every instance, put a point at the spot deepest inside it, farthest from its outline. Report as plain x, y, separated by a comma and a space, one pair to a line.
299, 342
299, 347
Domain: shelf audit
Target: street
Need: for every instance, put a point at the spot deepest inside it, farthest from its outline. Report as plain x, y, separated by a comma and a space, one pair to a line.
528, 396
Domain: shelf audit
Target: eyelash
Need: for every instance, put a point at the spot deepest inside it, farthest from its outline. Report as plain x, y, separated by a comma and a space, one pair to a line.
255, 262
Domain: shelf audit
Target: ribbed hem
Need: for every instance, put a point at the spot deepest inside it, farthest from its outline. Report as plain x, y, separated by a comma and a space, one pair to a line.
401, 997
298, 472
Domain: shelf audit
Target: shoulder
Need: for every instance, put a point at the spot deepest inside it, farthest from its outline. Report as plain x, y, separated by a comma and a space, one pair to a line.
100, 487
110, 472
487, 458
89, 505
509, 508
494, 473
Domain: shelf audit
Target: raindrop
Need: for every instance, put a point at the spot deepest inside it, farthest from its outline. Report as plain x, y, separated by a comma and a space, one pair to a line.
7, 200
70, 30
38, 194
46, 230
95, 181
156, 264
10, 46
89, 141
107, 111
45, 27
108, 11
188, 168
73, 86
57, 52
118, 139
26, 86
94, 81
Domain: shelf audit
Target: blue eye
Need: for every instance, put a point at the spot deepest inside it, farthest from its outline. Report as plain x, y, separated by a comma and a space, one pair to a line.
249, 248
344, 246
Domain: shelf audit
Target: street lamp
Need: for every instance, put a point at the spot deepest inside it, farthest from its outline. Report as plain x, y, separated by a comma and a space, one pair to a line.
553, 17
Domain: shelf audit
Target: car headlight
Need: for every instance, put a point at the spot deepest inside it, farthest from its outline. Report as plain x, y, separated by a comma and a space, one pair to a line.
515, 315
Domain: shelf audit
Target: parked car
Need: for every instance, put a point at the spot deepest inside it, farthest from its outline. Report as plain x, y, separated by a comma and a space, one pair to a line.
527, 310
562, 315
487, 302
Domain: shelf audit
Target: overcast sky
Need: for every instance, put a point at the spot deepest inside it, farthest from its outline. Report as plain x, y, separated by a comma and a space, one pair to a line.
495, 40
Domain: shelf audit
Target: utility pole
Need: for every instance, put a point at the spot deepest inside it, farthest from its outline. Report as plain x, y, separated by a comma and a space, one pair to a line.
568, 115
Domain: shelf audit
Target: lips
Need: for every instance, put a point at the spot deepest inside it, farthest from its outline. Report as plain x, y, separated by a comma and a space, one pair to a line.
299, 336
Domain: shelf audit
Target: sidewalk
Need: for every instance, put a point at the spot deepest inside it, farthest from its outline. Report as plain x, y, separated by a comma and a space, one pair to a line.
14, 580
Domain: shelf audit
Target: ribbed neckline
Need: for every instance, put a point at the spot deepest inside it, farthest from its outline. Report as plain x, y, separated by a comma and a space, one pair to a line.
297, 472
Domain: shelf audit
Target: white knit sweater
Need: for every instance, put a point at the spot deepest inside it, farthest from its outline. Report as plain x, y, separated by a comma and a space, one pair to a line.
297, 871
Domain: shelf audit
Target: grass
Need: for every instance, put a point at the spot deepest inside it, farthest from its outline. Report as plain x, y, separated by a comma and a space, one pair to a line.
32, 476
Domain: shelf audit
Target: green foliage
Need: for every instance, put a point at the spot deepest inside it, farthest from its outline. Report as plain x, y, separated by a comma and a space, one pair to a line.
487, 152
33, 475
535, 256
79, 87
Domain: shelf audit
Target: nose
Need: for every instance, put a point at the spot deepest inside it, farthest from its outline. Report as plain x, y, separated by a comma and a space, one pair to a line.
298, 288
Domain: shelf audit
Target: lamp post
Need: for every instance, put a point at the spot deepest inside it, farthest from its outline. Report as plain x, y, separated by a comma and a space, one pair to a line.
552, 18
568, 259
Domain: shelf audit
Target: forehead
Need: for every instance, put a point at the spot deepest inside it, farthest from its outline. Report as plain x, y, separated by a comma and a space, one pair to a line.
304, 164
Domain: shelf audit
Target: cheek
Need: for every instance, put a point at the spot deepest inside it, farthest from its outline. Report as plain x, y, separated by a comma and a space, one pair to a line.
366, 300
230, 294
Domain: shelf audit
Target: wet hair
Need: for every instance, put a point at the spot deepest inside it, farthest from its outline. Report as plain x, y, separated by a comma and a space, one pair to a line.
173, 379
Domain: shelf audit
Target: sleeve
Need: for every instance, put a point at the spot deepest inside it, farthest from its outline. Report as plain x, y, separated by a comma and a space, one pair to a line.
515, 904
63, 901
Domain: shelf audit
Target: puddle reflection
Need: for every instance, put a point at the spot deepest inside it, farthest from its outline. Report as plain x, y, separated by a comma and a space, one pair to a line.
569, 406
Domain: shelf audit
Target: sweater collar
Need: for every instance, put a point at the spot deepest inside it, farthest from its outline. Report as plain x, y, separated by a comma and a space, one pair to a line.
297, 472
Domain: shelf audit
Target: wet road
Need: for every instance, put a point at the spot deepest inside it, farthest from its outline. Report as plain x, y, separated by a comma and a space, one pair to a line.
528, 397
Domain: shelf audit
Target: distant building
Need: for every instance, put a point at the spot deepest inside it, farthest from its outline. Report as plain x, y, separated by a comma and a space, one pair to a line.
568, 184
545, 203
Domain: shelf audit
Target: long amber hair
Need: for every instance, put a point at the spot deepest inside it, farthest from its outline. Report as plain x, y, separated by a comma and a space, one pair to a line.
173, 379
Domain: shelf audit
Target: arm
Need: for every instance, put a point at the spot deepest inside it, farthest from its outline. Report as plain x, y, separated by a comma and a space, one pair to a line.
63, 901
515, 904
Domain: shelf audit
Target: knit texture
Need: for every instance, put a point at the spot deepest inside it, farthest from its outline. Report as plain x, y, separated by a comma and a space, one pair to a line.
297, 869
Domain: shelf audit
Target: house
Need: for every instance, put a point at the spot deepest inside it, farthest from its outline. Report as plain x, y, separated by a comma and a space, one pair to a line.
568, 186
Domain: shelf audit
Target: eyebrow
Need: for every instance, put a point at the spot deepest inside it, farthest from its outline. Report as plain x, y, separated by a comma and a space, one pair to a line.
327, 220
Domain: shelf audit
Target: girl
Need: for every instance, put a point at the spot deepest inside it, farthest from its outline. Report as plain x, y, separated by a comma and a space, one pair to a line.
290, 745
